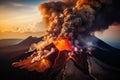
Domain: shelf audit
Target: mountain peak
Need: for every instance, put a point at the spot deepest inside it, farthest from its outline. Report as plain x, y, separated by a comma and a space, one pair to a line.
30, 40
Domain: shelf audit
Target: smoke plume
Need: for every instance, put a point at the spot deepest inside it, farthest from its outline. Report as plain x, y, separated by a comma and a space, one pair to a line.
76, 17
101, 10
68, 21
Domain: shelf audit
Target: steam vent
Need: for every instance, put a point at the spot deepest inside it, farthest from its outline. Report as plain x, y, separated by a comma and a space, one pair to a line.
69, 50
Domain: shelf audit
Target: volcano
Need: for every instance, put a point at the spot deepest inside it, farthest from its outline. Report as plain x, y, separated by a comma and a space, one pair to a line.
68, 49
102, 64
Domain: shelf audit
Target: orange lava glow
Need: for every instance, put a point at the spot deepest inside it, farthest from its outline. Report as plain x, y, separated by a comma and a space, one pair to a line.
39, 66
62, 43
44, 64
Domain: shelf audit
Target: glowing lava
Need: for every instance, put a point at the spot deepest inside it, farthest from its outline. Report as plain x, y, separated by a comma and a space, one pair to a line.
39, 66
62, 43
44, 64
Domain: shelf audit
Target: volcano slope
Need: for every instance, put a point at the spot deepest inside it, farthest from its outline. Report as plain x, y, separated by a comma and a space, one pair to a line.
103, 64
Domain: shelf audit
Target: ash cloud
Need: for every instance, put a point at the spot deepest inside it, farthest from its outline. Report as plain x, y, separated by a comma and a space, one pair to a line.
98, 14
72, 18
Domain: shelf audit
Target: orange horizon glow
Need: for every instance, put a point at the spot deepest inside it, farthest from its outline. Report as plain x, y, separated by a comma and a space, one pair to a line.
20, 20
18, 35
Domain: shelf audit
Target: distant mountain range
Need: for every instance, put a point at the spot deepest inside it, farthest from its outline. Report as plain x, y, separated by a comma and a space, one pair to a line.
8, 42
17, 49
30, 40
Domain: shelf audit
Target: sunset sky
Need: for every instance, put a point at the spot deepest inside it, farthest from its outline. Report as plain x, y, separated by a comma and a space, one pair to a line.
21, 18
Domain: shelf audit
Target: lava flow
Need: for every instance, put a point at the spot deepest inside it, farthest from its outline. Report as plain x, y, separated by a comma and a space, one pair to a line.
62, 44
40, 66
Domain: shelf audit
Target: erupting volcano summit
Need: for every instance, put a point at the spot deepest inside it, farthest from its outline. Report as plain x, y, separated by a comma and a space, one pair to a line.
70, 25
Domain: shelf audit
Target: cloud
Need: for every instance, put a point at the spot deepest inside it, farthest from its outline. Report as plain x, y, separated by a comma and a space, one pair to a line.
11, 5
23, 28
31, 27
15, 4
20, 16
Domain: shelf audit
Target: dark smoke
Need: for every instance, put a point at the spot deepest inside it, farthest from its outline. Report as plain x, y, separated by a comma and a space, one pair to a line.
106, 16
106, 12
73, 18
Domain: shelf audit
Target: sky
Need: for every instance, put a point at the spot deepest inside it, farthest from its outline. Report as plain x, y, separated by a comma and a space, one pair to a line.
21, 18
111, 35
